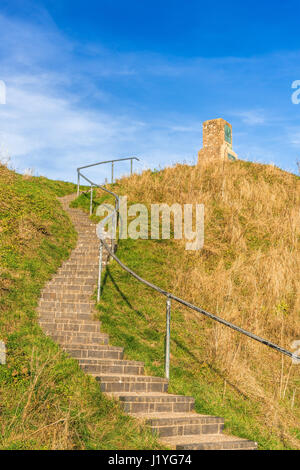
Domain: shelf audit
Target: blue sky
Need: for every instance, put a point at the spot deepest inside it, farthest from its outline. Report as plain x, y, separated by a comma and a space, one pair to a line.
94, 80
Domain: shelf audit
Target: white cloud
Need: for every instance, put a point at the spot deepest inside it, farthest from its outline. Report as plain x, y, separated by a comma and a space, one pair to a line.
46, 122
294, 136
35, 125
191, 128
252, 117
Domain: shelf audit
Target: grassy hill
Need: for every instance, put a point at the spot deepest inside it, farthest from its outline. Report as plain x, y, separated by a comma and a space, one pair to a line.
46, 401
248, 273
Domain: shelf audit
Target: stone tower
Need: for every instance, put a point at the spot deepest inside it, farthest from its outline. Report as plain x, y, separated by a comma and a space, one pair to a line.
217, 141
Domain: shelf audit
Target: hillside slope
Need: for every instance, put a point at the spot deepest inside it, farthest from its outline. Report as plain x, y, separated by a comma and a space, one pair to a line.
248, 272
46, 401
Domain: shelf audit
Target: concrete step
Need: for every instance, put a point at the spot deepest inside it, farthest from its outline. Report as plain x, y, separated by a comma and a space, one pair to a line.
83, 334
89, 322
72, 281
79, 272
51, 316
78, 307
90, 235
86, 248
209, 442
112, 366
131, 383
72, 262
87, 240
98, 352
83, 223
71, 266
63, 326
181, 424
78, 255
81, 260
82, 254
82, 226
154, 403
85, 252
59, 288
80, 339
90, 269
62, 297
90, 241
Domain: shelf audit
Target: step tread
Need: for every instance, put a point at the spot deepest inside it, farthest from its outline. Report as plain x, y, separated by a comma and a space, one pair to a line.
191, 439
121, 362
59, 304
100, 347
128, 378
70, 321
191, 417
153, 395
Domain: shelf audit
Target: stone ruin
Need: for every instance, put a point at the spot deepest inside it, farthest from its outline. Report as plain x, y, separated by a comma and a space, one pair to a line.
217, 141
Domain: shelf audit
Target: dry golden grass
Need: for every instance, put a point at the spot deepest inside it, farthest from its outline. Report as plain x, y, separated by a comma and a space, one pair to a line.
248, 271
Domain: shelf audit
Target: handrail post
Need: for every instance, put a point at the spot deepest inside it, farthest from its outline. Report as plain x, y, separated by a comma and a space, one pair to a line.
113, 232
112, 172
100, 270
168, 334
117, 217
78, 182
91, 201
131, 166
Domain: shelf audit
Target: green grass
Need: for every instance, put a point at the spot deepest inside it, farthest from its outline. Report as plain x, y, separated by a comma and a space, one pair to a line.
46, 401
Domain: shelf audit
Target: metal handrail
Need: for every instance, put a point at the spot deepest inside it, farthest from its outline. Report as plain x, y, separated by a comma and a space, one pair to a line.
169, 296
102, 163
94, 185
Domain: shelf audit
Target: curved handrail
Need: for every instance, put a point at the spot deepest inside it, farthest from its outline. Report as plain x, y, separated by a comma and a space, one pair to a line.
169, 295
102, 163
108, 161
99, 186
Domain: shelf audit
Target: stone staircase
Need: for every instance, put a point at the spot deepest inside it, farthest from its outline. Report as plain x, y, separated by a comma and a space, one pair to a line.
66, 314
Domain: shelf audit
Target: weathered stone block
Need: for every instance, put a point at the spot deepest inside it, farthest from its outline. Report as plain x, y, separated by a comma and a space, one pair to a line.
217, 141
